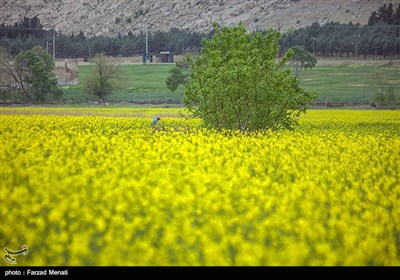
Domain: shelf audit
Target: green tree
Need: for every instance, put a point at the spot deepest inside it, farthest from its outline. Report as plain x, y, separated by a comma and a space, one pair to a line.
104, 79
178, 75
237, 83
32, 72
302, 59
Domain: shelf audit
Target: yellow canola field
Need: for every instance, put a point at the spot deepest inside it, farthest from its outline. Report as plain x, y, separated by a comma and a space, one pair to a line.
101, 190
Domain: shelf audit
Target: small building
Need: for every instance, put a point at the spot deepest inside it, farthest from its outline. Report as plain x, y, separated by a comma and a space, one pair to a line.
67, 74
161, 57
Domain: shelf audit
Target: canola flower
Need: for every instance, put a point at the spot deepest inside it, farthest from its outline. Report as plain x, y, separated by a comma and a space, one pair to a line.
108, 190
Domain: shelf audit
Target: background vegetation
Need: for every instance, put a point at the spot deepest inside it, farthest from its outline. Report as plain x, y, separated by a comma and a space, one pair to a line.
378, 39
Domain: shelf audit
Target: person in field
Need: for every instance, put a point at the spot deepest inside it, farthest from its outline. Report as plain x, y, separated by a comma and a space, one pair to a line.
155, 120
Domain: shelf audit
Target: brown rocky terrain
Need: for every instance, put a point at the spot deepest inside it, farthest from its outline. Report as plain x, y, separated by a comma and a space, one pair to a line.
105, 17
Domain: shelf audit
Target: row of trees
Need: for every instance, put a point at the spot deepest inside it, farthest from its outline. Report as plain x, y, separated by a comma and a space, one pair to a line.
26, 28
347, 40
178, 41
380, 37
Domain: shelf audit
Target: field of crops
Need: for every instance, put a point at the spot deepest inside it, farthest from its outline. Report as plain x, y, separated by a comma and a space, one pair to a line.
99, 188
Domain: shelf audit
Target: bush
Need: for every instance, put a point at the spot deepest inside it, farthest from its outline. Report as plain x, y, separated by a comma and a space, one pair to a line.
386, 99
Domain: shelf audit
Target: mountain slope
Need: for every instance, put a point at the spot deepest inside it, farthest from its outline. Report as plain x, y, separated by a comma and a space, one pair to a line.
104, 17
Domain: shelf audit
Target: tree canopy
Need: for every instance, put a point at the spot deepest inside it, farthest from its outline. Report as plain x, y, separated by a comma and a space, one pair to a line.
237, 82
302, 59
32, 72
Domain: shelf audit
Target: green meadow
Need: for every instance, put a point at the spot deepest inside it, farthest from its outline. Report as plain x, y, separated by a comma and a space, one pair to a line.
336, 84
352, 82
139, 83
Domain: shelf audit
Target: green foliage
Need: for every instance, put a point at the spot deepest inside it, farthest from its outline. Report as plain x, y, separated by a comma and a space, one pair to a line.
302, 59
238, 83
104, 78
386, 98
35, 77
386, 14
378, 38
178, 75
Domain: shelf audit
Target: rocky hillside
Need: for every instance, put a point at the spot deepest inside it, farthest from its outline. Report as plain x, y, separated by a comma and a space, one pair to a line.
109, 17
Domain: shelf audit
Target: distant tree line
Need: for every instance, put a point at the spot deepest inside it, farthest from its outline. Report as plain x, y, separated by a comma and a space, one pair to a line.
29, 33
379, 38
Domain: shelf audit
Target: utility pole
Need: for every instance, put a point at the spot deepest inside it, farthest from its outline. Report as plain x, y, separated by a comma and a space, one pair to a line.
89, 49
147, 44
147, 58
313, 43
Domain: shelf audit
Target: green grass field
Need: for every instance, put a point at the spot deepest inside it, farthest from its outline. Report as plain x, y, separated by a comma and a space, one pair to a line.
337, 84
139, 83
351, 83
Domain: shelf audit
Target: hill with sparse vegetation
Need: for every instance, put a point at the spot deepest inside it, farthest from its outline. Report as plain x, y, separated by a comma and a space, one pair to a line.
109, 18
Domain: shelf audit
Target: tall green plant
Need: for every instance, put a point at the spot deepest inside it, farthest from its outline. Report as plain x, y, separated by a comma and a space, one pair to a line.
178, 75
237, 82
